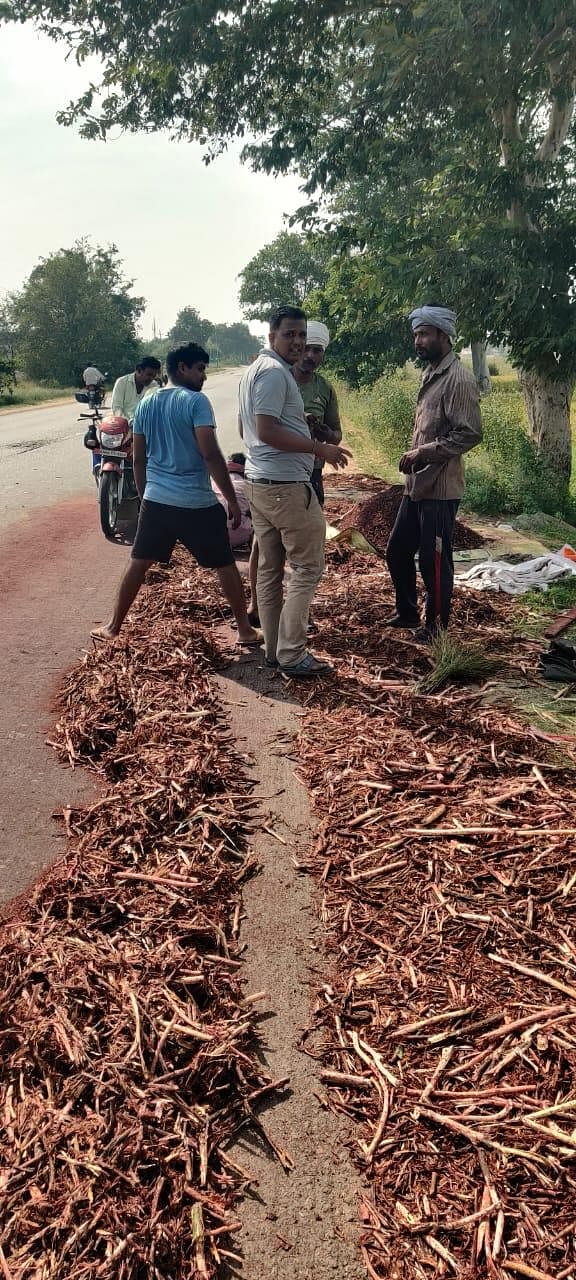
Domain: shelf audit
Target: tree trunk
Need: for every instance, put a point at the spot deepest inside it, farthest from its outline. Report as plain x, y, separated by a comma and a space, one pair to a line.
547, 403
480, 367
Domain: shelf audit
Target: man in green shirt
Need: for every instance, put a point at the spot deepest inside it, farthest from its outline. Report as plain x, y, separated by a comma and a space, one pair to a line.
320, 402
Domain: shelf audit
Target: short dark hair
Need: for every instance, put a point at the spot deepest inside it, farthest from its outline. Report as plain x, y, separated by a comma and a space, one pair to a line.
148, 362
190, 354
285, 313
238, 458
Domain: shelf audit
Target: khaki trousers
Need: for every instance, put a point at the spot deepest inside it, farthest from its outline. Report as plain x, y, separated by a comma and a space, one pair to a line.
289, 526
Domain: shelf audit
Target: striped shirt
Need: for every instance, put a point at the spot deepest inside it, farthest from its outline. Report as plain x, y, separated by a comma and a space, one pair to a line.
447, 425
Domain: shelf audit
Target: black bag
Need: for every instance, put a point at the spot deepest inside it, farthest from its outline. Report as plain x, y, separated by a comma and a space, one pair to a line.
559, 662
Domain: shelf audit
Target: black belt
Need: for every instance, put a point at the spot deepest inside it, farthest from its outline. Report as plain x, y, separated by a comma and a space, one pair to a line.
261, 480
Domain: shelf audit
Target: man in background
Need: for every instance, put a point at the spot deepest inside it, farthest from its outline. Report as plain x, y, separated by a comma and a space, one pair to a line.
287, 518
446, 426
129, 390
320, 401
92, 378
241, 535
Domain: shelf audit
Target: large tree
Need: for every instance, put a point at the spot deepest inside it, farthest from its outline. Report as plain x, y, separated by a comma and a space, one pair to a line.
286, 270
234, 342
75, 309
477, 97
189, 326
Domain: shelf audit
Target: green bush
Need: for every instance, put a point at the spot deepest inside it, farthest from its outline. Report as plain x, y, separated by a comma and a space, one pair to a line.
505, 473
386, 409
493, 368
7, 375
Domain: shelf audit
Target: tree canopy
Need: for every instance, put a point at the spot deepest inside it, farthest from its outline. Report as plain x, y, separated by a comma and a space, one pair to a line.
76, 309
233, 342
189, 327
286, 270
436, 143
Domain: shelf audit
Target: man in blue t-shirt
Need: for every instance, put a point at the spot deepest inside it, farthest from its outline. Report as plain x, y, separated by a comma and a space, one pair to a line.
175, 456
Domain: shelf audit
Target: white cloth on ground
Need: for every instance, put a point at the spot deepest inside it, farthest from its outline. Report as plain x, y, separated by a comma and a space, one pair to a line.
515, 579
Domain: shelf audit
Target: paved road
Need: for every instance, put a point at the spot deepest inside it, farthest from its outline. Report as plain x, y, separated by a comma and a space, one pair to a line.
57, 579
42, 459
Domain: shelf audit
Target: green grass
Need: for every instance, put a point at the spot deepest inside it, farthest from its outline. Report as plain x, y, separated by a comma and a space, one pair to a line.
559, 596
452, 660
30, 393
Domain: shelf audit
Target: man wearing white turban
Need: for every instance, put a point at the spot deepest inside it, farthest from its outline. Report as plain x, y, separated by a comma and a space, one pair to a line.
320, 400
446, 426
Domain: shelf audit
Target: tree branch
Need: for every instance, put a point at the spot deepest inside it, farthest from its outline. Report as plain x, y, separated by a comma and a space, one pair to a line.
560, 120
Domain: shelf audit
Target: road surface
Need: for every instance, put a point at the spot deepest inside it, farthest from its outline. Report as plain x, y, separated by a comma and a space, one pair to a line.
57, 579
42, 459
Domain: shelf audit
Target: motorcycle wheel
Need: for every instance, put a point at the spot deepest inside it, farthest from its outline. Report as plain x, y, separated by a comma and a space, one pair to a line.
108, 495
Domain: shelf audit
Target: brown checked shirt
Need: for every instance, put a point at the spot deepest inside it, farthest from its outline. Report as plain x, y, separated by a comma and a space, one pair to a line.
446, 426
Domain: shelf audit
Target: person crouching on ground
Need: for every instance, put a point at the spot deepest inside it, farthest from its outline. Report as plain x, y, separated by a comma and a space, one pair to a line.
287, 517
175, 455
242, 535
447, 425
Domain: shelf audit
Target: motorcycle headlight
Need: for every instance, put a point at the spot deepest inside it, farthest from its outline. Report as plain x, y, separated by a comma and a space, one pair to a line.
110, 441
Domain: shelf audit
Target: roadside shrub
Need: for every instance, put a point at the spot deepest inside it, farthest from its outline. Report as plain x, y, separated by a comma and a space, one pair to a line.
493, 368
387, 409
505, 473
7, 375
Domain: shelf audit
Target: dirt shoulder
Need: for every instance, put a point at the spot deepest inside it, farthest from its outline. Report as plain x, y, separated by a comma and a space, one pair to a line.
34, 404
56, 581
303, 1222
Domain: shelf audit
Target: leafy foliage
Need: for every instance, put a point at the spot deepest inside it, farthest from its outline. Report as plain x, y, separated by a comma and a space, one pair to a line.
7, 364
284, 271
436, 143
233, 342
7, 375
76, 309
229, 342
189, 327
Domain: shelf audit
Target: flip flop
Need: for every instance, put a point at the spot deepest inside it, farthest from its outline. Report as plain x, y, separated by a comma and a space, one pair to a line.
251, 644
97, 635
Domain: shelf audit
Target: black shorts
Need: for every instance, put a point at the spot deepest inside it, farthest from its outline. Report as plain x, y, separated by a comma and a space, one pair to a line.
202, 530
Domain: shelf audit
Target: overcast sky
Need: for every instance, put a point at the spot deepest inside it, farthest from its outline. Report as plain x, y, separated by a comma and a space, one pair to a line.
183, 230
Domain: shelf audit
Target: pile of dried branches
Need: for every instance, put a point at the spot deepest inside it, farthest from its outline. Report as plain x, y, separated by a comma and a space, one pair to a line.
127, 1038
446, 857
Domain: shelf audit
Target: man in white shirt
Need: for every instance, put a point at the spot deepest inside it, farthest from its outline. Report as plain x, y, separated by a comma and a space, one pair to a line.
287, 517
132, 387
92, 376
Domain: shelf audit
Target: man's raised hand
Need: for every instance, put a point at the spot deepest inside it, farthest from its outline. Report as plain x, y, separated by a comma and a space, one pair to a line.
334, 454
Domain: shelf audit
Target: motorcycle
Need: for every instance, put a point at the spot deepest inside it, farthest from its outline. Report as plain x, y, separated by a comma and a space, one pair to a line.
111, 439
116, 481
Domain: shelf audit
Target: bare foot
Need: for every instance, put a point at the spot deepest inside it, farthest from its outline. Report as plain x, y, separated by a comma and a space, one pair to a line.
250, 636
104, 632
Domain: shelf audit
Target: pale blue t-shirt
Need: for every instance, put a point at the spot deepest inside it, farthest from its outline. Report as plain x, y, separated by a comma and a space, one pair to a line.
176, 473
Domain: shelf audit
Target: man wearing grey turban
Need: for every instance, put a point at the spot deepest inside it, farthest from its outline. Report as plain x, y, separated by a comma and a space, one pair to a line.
446, 426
